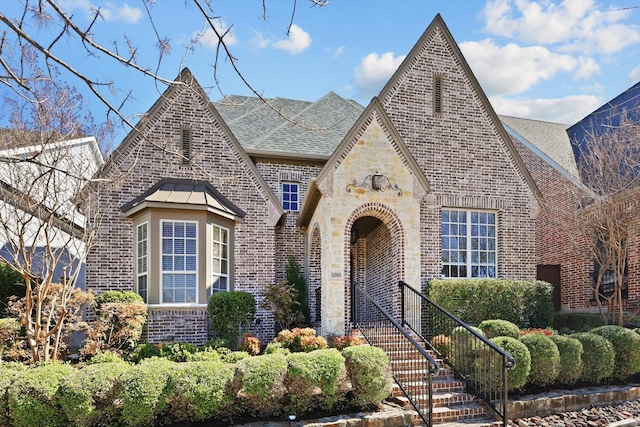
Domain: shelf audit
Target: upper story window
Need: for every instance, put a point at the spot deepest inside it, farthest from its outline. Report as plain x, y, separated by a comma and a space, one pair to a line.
220, 259
469, 243
179, 266
142, 257
291, 196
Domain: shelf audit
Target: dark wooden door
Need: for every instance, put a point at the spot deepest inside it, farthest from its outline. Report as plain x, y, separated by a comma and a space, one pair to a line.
551, 274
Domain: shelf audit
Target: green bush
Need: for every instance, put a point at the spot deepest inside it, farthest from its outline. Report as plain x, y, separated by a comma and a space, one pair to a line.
235, 356
144, 385
570, 350
32, 396
87, 396
206, 354
106, 357
12, 341
475, 300
545, 359
116, 297
626, 346
519, 374
598, 357
11, 284
499, 328
276, 347
463, 348
229, 312
178, 351
196, 391
315, 380
369, 371
259, 386
576, 322
295, 278
144, 351
8, 372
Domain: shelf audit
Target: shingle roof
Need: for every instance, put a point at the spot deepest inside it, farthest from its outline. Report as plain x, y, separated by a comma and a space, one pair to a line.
550, 138
289, 126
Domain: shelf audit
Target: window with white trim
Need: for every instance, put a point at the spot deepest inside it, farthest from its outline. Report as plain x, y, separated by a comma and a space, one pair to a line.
142, 258
179, 261
220, 259
291, 196
469, 243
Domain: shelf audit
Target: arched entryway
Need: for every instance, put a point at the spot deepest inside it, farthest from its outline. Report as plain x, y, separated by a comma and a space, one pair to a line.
375, 258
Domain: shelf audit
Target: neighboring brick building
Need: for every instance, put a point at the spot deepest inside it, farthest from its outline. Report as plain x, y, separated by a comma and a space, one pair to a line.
424, 182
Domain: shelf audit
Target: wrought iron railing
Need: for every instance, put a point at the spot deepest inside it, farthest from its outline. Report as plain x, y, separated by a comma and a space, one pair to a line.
382, 330
474, 359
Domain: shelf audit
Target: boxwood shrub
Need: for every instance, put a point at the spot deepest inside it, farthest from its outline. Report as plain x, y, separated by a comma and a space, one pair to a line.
499, 328
197, 391
258, 384
626, 346
144, 385
598, 357
315, 380
369, 371
463, 348
520, 352
8, 372
570, 350
88, 394
32, 396
545, 359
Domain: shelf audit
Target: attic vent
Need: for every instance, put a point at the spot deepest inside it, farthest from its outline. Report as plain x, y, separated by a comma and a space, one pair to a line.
437, 95
186, 146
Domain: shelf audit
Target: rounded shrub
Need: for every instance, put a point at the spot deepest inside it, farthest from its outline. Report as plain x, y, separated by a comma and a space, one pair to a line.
301, 339
32, 396
106, 357
258, 384
315, 380
229, 312
520, 352
598, 357
196, 391
570, 350
88, 394
545, 359
369, 371
143, 389
8, 372
626, 346
499, 328
463, 348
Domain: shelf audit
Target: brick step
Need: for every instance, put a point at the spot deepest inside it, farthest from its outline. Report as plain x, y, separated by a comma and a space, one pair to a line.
459, 412
419, 364
474, 422
446, 385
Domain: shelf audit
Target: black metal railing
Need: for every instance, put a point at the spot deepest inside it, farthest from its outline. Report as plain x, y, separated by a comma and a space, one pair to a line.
474, 359
413, 367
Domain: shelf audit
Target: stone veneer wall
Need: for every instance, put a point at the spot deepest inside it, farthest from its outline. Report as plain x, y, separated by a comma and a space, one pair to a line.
138, 165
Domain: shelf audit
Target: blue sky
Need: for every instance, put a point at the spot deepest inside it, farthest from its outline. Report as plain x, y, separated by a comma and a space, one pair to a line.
547, 60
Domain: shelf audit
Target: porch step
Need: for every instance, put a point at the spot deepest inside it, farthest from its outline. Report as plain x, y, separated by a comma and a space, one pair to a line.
451, 404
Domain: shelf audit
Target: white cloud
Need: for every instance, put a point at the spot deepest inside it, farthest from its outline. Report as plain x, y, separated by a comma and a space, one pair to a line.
338, 51
373, 72
298, 41
572, 25
587, 67
108, 11
634, 75
512, 69
208, 37
567, 110
259, 41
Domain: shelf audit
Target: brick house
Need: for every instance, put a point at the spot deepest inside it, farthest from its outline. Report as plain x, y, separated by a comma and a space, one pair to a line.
211, 196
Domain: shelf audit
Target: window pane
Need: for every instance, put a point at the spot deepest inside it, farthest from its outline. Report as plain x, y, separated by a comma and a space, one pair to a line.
463, 256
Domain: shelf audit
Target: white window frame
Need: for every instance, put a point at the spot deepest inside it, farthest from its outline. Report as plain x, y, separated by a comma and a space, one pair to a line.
173, 272
219, 258
289, 193
142, 260
477, 247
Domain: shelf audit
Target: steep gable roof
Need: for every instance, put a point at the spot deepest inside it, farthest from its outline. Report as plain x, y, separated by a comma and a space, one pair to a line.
289, 128
186, 81
438, 26
549, 140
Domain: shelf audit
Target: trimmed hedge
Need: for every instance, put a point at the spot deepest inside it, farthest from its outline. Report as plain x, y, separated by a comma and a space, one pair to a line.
369, 371
519, 351
475, 300
8, 373
545, 359
144, 385
33, 396
499, 328
598, 357
229, 312
318, 379
626, 345
259, 385
570, 350
576, 322
197, 391
88, 394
